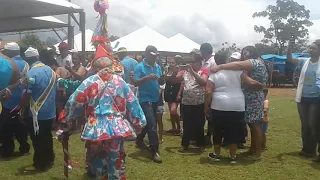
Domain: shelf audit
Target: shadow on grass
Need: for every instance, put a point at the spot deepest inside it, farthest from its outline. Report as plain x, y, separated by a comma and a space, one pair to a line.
189, 152
315, 165
14, 156
22, 172
295, 154
87, 177
141, 155
225, 161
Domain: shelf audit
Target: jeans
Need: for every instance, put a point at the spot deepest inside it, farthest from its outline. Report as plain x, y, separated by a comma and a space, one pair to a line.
309, 116
150, 110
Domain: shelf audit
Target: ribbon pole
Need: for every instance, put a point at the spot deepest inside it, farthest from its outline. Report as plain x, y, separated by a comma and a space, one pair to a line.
65, 146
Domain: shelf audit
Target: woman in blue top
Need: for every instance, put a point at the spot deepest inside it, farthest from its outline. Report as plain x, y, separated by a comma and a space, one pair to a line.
308, 99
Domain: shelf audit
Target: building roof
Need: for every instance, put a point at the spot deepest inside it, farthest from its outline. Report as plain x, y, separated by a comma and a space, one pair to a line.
36, 8
30, 23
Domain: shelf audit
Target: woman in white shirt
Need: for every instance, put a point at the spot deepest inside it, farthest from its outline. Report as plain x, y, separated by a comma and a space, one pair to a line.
227, 107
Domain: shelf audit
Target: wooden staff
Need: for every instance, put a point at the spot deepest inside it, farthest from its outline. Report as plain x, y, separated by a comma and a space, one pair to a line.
65, 146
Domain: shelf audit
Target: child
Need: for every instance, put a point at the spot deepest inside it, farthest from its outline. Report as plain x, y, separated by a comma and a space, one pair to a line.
160, 112
265, 122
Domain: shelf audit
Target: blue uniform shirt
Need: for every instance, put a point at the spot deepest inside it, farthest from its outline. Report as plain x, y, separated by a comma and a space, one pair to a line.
129, 64
15, 99
149, 90
5, 73
42, 76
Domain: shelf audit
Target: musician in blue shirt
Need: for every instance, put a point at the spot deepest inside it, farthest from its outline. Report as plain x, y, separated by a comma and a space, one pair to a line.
10, 124
41, 95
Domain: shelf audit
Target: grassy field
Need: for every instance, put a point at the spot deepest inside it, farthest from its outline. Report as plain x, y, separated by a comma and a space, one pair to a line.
281, 161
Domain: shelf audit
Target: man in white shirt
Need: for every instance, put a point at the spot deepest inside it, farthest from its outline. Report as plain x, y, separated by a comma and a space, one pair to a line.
65, 58
207, 55
206, 51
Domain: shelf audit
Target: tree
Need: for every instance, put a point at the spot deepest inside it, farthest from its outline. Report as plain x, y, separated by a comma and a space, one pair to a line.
113, 38
32, 40
228, 50
287, 19
266, 49
50, 41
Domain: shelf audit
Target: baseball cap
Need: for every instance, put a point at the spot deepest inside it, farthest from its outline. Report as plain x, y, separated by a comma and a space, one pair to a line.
178, 57
31, 52
152, 50
236, 55
63, 45
12, 46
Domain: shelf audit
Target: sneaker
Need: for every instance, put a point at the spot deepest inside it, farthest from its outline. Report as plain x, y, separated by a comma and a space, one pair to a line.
141, 145
24, 153
307, 155
233, 160
214, 157
317, 159
183, 149
156, 158
29, 169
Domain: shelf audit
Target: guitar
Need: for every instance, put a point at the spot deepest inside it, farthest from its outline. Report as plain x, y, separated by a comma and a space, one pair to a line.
23, 80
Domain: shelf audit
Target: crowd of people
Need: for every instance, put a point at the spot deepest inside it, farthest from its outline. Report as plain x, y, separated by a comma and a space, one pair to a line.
111, 107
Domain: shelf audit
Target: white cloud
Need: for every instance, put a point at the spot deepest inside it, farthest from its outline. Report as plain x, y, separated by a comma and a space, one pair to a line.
213, 21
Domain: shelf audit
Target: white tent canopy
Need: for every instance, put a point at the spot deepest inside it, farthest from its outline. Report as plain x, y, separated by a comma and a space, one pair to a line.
78, 41
30, 23
180, 43
141, 38
35, 8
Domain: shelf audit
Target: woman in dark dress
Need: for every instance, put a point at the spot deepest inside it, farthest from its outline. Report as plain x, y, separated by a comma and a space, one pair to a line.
171, 92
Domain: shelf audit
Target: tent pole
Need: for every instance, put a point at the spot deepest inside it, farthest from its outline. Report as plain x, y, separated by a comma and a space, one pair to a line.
271, 72
71, 37
70, 32
57, 34
82, 25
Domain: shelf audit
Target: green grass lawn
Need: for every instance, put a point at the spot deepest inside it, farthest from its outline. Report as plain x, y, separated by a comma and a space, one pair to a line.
281, 161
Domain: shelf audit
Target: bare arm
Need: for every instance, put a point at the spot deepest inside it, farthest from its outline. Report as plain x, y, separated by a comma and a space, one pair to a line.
250, 82
140, 81
78, 75
234, 66
289, 54
202, 80
208, 97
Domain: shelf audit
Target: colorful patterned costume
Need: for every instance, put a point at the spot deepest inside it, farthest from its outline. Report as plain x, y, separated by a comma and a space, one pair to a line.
255, 98
106, 98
